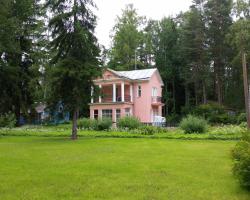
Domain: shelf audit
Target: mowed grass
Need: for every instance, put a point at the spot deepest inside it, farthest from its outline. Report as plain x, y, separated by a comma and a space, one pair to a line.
115, 168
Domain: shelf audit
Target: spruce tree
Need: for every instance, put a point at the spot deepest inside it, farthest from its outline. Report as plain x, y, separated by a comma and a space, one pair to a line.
75, 62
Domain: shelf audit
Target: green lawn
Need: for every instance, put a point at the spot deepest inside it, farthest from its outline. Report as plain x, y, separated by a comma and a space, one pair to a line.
115, 168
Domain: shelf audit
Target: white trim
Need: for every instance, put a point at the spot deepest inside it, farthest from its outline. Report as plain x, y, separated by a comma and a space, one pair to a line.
100, 98
92, 92
131, 92
114, 92
122, 91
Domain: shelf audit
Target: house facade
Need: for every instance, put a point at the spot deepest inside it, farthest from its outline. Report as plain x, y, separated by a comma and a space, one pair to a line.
128, 93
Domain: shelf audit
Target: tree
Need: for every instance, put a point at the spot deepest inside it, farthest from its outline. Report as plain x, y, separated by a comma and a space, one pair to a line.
19, 24
126, 39
166, 60
239, 38
193, 49
218, 21
76, 51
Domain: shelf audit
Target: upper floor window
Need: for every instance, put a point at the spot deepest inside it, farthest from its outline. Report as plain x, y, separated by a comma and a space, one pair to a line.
154, 92
139, 91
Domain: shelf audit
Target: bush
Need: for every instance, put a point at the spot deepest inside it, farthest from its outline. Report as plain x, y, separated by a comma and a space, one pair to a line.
86, 123
192, 124
209, 110
128, 123
103, 124
242, 117
8, 120
223, 119
173, 119
241, 156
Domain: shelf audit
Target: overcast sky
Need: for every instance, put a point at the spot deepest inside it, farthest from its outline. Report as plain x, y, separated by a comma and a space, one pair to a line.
108, 10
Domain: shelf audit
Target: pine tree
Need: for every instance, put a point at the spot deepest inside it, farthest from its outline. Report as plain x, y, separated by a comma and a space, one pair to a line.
76, 51
218, 21
19, 24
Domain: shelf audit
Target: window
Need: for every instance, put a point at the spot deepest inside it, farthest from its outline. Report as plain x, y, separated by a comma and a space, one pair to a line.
127, 112
139, 91
154, 92
95, 114
107, 113
118, 114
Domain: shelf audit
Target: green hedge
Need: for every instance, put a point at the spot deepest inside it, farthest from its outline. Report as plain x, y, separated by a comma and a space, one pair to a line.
241, 156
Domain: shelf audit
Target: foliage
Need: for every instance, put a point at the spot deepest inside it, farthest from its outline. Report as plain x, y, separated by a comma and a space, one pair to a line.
192, 124
19, 54
173, 119
7, 120
86, 123
242, 117
213, 133
215, 114
241, 156
104, 124
128, 123
126, 39
75, 54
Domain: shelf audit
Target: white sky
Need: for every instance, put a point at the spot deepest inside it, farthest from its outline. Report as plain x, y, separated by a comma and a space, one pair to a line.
108, 10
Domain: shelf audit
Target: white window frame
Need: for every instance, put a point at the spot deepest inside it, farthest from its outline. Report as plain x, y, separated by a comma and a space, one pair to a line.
127, 112
154, 92
116, 114
107, 113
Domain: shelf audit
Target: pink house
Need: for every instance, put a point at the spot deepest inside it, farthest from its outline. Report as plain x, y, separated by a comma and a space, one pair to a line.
128, 93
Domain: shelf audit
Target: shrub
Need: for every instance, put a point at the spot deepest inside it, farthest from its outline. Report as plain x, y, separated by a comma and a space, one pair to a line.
222, 119
241, 156
242, 117
208, 110
8, 120
192, 124
128, 123
173, 119
86, 123
103, 124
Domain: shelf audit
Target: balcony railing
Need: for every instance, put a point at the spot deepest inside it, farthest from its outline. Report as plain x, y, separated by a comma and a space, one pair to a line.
109, 99
156, 100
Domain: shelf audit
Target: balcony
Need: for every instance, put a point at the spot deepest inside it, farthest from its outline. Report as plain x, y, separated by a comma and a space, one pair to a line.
156, 101
109, 99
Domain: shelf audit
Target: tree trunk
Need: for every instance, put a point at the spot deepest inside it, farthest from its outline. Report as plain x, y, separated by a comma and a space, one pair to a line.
17, 113
166, 100
74, 125
196, 93
174, 98
246, 88
204, 91
187, 96
218, 82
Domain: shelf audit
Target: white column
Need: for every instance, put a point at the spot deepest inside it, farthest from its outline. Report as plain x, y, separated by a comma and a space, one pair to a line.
122, 91
92, 93
100, 98
131, 93
114, 92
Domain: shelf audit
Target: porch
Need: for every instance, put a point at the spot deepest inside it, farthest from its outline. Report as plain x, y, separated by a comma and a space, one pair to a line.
113, 93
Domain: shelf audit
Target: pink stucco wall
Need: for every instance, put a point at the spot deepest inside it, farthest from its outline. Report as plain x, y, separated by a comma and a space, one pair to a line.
141, 107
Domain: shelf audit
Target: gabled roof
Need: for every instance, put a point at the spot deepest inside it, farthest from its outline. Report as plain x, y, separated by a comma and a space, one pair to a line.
142, 74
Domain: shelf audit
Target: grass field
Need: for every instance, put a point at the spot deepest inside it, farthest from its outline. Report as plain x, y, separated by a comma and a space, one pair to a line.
113, 168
